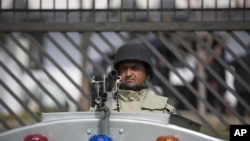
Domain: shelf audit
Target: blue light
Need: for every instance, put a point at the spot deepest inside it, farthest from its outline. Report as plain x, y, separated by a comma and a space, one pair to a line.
100, 138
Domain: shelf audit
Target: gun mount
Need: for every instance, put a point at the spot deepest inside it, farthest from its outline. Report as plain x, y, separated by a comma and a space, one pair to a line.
103, 95
104, 91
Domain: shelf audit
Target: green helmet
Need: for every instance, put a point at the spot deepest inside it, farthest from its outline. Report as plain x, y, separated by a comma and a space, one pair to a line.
133, 51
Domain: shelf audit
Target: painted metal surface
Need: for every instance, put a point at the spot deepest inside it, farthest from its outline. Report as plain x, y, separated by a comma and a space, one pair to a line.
80, 126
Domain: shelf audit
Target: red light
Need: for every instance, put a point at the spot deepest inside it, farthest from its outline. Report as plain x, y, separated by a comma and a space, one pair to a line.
35, 137
167, 138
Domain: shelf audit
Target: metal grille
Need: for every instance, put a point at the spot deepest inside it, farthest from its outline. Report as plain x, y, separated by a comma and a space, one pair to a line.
51, 11
50, 49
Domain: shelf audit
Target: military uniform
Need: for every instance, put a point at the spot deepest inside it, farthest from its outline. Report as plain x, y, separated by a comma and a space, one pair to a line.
141, 101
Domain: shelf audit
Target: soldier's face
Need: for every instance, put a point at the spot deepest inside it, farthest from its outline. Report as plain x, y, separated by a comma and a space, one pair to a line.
132, 72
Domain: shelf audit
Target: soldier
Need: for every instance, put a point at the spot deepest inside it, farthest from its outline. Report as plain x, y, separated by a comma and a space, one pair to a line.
134, 65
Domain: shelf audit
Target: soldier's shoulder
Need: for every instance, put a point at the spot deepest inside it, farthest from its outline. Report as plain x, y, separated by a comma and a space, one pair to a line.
155, 101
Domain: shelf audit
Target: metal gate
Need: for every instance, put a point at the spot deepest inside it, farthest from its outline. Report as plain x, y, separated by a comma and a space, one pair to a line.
50, 50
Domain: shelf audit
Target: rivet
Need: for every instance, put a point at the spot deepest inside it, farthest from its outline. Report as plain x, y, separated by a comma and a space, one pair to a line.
121, 131
88, 131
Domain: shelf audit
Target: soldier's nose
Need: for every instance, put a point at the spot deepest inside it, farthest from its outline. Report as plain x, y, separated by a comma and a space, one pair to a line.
129, 72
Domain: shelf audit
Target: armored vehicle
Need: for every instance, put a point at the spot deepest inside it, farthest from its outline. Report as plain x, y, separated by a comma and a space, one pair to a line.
89, 126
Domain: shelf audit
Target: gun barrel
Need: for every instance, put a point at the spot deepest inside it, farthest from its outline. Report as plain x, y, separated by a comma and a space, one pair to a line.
110, 80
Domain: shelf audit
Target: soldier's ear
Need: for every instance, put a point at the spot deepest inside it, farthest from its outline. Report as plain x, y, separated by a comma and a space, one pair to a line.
148, 74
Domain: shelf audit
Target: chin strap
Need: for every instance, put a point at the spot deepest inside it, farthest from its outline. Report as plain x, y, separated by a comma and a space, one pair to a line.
133, 87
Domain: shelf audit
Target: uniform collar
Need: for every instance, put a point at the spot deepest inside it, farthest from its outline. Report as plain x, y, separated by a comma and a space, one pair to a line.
130, 95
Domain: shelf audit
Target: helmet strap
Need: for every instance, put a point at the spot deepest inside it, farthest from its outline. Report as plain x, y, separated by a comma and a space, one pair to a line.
133, 87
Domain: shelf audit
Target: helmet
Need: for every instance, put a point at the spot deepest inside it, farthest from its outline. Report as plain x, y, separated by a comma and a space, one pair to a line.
133, 51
